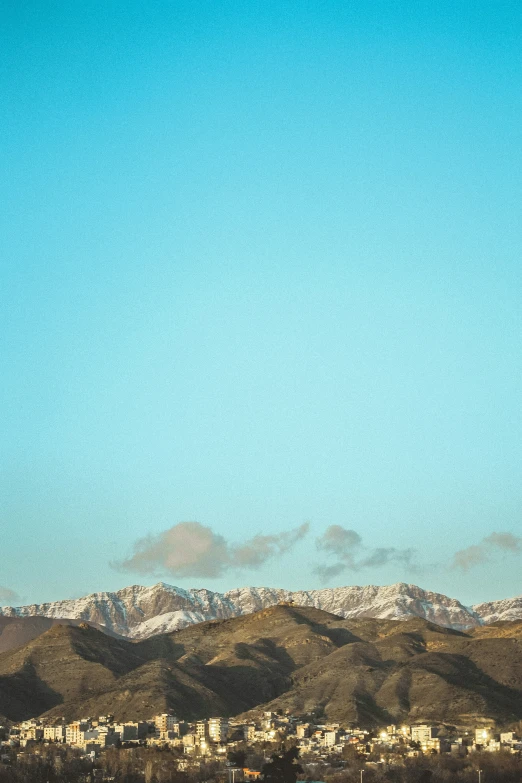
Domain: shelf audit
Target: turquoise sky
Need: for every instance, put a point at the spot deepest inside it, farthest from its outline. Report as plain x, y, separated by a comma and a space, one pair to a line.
261, 266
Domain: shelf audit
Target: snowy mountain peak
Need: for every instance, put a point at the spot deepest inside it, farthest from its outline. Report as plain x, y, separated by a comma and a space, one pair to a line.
139, 611
500, 611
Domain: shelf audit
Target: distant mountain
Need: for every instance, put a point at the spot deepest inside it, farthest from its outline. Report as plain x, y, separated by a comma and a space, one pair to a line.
139, 612
362, 671
500, 611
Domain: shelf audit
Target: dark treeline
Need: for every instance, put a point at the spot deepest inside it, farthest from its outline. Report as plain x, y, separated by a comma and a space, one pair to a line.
147, 765
495, 768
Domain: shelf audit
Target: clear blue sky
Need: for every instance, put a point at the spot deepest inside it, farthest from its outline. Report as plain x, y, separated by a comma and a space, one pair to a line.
260, 265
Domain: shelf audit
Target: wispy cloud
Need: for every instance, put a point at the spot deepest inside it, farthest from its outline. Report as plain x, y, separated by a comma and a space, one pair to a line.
349, 553
258, 550
190, 549
476, 554
8, 597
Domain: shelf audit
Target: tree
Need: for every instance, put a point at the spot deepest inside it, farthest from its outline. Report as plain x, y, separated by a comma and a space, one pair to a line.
237, 757
283, 768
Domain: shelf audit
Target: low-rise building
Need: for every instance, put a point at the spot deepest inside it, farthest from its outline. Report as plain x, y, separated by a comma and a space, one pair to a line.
54, 733
483, 735
423, 733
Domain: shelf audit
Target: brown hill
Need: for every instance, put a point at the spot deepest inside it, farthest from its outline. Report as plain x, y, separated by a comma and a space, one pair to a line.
17, 631
363, 671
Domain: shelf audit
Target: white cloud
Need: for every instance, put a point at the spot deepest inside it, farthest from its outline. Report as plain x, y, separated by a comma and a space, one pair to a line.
476, 554
8, 597
349, 553
190, 549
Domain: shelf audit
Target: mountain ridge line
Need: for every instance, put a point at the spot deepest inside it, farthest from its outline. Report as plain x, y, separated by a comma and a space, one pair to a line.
139, 612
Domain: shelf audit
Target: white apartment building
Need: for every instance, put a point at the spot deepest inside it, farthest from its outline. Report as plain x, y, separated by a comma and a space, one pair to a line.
483, 736
330, 738
74, 732
189, 742
32, 733
218, 729
54, 733
165, 722
423, 733
127, 731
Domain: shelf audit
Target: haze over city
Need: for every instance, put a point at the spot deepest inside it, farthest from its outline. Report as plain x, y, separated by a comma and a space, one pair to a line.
260, 296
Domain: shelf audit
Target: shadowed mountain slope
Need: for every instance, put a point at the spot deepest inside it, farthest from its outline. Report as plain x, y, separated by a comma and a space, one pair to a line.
17, 631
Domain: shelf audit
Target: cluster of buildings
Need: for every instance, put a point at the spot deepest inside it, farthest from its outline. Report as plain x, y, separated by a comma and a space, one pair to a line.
93, 734
436, 739
217, 738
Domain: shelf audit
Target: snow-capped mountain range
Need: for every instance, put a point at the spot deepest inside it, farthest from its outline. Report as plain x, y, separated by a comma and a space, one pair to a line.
139, 612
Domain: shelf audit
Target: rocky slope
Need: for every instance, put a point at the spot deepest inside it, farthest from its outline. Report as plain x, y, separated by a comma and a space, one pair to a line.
364, 671
18, 631
500, 611
139, 612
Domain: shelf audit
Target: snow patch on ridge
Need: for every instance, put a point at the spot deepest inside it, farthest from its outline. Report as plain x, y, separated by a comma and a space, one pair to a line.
504, 610
139, 612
